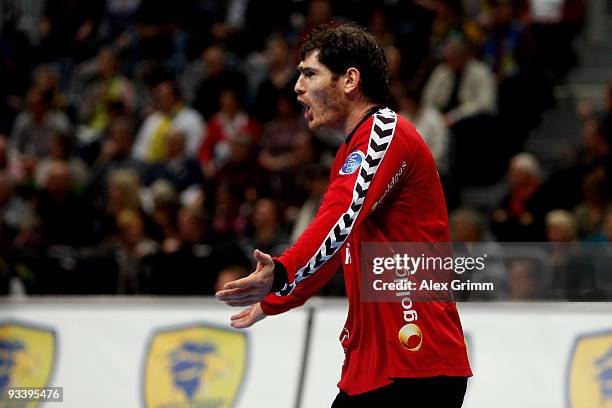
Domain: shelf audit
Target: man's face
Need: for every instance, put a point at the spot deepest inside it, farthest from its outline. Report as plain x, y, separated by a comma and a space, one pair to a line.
164, 96
319, 91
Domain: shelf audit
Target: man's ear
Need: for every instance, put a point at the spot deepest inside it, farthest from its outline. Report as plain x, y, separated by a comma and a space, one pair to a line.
352, 77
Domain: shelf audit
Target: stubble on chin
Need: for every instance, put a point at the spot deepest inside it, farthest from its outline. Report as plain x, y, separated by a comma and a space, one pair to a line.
330, 113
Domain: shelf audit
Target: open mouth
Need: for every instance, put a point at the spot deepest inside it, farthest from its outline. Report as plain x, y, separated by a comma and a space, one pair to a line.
307, 110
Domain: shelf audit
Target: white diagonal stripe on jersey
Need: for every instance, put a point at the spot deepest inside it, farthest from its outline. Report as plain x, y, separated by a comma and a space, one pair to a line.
385, 120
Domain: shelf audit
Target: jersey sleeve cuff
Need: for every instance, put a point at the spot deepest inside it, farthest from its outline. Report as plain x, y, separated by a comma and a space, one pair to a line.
280, 276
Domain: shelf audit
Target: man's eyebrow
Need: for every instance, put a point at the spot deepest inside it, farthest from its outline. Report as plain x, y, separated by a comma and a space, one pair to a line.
303, 69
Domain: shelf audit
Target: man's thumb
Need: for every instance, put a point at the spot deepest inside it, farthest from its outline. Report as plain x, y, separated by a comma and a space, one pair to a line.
262, 258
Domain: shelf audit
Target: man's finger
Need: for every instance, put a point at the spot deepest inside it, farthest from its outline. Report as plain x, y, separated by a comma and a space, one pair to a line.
245, 302
241, 315
242, 323
228, 292
242, 283
234, 294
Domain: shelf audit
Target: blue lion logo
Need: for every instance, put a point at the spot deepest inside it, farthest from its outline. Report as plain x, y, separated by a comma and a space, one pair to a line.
7, 360
188, 365
604, 369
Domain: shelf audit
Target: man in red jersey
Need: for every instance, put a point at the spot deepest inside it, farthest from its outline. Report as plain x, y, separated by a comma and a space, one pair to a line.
383, 187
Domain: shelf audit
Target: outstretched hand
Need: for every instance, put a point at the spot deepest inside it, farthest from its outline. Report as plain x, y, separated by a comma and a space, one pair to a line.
252, 289
248, 317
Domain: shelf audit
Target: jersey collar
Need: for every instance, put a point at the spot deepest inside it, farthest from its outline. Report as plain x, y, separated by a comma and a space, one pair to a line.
366, 117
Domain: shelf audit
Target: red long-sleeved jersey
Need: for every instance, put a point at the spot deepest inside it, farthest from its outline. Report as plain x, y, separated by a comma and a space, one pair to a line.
384, 187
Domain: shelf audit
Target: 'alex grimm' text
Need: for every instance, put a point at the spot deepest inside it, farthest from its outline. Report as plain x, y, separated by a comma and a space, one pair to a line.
430, 285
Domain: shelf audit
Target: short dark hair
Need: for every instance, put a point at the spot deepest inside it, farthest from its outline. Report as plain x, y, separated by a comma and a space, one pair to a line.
348, 45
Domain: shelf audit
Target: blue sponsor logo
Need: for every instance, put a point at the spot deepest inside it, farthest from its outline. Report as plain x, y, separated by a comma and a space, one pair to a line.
352, 163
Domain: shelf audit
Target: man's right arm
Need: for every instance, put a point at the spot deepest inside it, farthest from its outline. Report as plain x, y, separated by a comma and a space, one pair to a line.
273, 304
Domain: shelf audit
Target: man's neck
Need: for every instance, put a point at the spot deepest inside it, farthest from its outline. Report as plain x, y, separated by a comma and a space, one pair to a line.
355, 116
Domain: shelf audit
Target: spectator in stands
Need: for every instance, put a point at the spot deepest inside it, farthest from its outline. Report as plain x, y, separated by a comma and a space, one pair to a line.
162, 210
62, 149
187, 264
219, 76
228, 218
508, 50
278, 79
507, 47
253, 22
115, 153
47, 79
8, 161
158, 25
181, 171
106, 86
68, 29
267, 232
15, 213
520, 216
279, 135
132, 246
564, 186
380, 29
449, 23
317, 179
461, 87
318, 12
597, 144
289, 172
561, 233
561, 226
308, 149
56, 204
574, 265
242, 169
395, 67
463, 90
118, 20
526, 279
596, 202
121, 192
230, 122
555, 25
30, 138
116, 149
172, 113
468, 227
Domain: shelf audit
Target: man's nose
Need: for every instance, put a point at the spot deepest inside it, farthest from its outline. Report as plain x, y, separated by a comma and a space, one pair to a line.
299, 86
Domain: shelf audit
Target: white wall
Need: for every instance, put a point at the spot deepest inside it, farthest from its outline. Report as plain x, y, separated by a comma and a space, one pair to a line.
519, 352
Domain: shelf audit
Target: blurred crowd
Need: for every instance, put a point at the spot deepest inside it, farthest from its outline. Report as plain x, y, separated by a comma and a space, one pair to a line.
148, 146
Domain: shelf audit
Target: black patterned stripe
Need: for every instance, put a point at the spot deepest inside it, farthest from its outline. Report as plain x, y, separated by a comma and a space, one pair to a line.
383, 129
